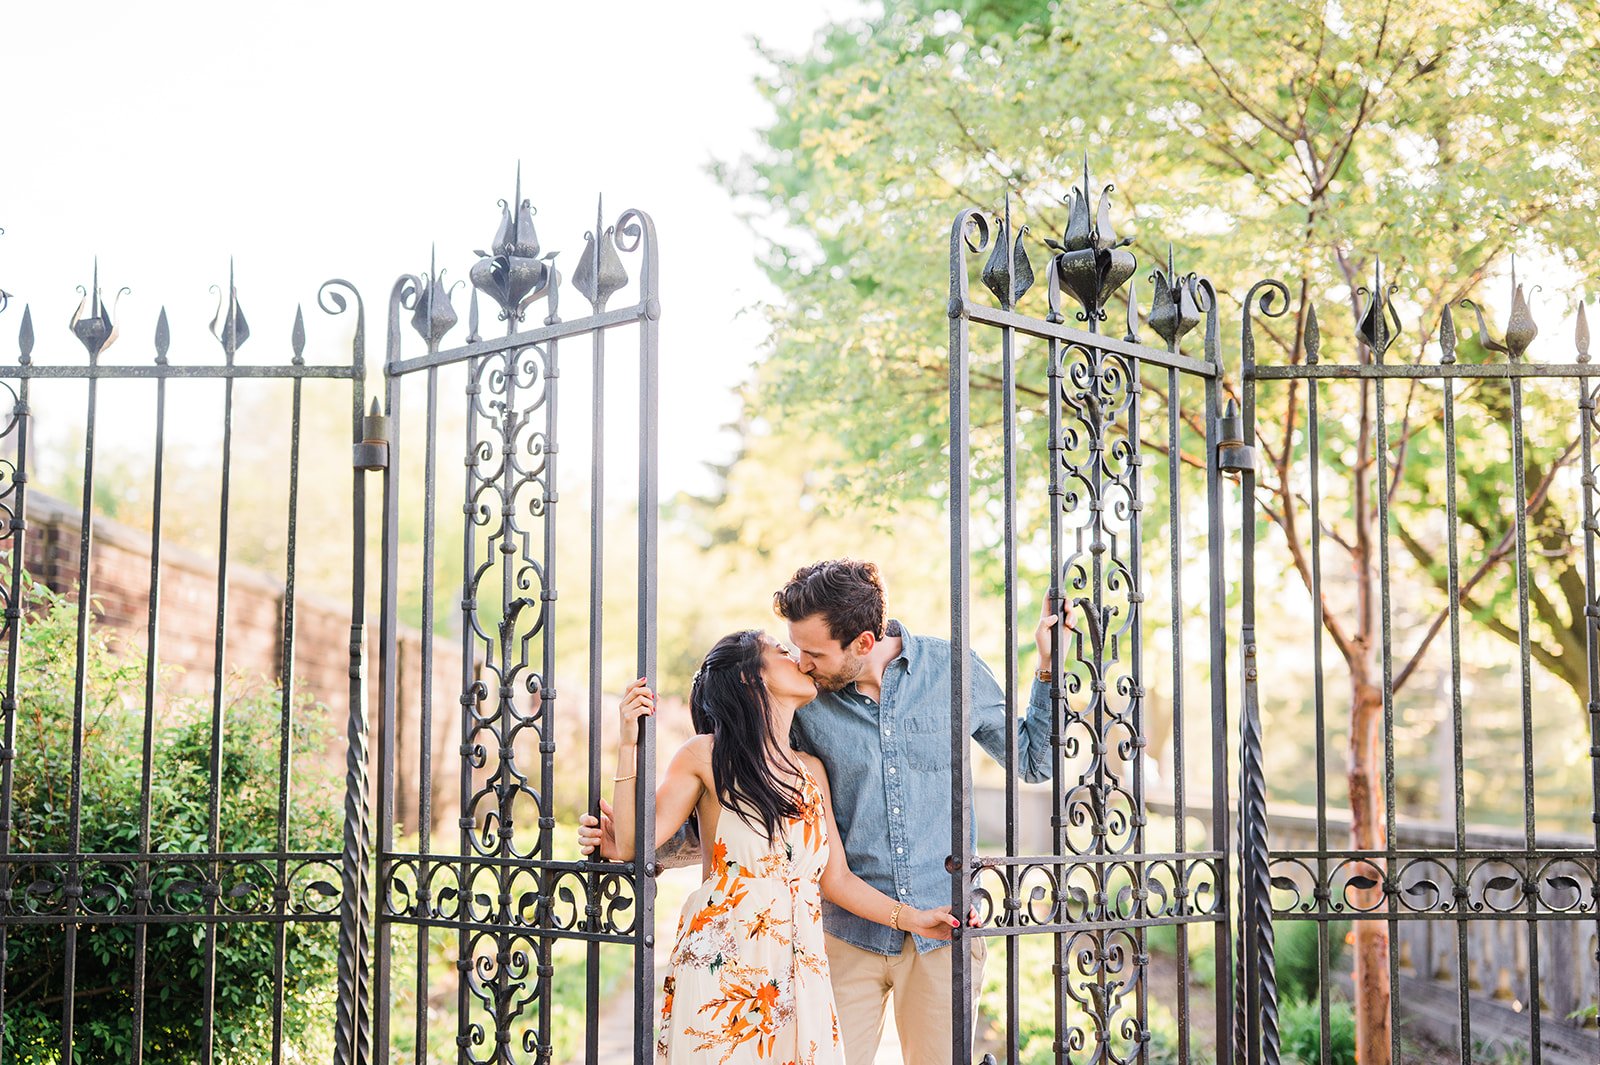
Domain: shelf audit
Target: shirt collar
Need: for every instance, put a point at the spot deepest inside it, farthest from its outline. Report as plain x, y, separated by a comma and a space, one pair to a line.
907, 654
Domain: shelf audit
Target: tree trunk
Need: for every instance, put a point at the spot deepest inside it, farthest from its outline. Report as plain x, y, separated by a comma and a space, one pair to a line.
1365, 770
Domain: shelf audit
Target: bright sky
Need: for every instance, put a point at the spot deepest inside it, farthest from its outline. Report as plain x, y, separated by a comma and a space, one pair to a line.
313, 140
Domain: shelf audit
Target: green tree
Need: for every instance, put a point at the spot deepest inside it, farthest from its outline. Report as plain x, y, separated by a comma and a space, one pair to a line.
1293, 138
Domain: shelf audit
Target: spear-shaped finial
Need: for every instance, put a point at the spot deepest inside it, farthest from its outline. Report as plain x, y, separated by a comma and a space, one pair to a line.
297, 336
25, 336
163, 338
1581, 334
1447, 337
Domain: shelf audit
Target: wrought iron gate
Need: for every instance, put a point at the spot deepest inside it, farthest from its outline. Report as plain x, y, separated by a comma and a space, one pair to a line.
485, 910
500, 895
1105, 883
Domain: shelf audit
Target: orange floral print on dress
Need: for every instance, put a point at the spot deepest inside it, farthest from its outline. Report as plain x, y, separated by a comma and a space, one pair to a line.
748, 983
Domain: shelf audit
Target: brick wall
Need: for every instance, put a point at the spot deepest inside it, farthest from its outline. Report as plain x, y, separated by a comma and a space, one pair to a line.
187, 632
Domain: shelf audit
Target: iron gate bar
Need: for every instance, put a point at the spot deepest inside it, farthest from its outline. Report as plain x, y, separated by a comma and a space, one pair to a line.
353, 1018
960, 634
526, 338
1424, 371
1260, 988
597, 296
16, 527
640, 230
286, 669
170, 372
430, 484
1312, 336
1586, 418
388, 621
1048, 330
1453, 612
233, 333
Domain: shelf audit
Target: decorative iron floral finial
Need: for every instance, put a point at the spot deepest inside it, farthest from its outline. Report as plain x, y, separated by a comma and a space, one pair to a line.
599, 274
229, 326
511, 272
1175, 307
1379, 322
92, 323
1008, 273
1090, 260
433, 315
1520, 327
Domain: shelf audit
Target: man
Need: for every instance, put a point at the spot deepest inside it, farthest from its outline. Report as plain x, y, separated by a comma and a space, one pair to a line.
881, 725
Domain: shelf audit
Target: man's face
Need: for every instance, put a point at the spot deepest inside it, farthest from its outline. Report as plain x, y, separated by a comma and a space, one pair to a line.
827, 662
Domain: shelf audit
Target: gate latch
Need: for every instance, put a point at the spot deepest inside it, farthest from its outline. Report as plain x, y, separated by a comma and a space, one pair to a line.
372, 453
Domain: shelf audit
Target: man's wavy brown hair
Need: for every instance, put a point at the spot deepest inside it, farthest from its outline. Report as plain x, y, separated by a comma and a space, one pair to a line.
846, 592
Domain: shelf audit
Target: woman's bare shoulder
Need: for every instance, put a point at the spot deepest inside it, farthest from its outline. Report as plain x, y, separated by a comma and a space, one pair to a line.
815, 767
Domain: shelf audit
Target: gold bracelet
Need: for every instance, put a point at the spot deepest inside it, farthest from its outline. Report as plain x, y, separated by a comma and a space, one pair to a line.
894, 916
619, 780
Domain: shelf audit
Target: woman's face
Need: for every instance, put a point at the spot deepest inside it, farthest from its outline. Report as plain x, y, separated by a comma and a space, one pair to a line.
781, 673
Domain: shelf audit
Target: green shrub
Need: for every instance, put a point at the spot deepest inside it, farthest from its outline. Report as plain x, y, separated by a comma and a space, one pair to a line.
110, 823
1300, 1024
1295, 953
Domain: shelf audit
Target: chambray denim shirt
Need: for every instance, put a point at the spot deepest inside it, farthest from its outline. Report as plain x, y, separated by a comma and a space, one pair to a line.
889, 771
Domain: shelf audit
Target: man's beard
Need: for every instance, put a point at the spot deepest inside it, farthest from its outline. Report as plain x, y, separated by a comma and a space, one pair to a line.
833, 682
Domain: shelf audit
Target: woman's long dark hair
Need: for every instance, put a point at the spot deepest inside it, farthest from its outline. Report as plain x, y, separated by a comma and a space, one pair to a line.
729, 702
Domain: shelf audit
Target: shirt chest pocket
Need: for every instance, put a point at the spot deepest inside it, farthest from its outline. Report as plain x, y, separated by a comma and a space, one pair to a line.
927, 741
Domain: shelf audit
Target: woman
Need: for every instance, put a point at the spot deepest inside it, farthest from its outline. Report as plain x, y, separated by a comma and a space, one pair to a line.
748, 980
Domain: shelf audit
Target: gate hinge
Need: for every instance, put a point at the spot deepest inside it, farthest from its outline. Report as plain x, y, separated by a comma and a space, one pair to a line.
1233, 454
372, 453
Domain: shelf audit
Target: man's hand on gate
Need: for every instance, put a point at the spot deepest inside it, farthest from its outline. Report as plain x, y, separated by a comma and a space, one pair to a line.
598, 834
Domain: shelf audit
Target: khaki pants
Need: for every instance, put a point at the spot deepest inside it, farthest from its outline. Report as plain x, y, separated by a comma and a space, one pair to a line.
921, 984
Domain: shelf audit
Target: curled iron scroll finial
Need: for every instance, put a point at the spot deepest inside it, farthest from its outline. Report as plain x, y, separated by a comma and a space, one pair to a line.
1273, 302
969, 235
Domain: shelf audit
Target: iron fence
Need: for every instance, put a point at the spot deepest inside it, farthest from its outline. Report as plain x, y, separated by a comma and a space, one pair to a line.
78, 892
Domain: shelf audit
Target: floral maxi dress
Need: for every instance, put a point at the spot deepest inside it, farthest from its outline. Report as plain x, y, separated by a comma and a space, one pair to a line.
748, 983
